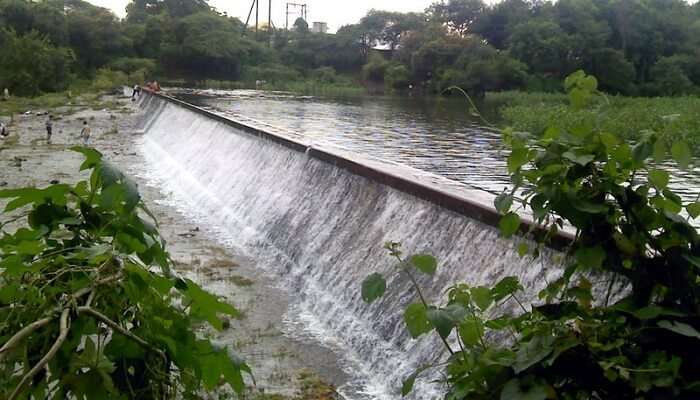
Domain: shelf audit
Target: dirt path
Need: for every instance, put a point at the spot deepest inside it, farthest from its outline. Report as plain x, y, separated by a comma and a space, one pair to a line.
284, 367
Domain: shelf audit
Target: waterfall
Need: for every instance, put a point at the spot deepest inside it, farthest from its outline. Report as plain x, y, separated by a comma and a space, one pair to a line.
321, 228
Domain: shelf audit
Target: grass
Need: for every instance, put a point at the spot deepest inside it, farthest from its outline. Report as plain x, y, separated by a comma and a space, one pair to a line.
626, 117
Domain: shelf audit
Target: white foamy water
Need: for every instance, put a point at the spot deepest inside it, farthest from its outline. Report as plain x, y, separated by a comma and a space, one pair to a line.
320, 230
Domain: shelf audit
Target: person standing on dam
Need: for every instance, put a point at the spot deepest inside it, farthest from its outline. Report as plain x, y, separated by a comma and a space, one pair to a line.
136, 92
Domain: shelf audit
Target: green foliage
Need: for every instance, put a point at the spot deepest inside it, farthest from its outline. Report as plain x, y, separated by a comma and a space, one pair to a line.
621, 321
397, 77
129, 65
88, 303
627, 117
30, 64
375, 68
107, 79
635, 47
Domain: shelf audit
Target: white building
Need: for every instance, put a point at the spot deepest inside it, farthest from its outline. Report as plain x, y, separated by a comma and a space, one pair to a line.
320, 27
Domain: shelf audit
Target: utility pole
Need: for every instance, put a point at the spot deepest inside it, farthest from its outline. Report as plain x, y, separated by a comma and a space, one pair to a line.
255, 5
303, 9
257, 14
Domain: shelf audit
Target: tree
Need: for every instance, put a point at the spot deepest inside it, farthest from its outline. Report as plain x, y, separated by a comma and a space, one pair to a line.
543, 46
205, 45
30, 64
94, 34
301, 26
615, 74
459, 15
498, 21
482, 68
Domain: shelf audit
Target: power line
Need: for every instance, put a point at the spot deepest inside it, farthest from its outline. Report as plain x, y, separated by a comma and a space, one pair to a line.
303, 12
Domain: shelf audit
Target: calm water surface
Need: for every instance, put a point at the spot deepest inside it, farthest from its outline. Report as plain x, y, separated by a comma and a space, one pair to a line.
437, 135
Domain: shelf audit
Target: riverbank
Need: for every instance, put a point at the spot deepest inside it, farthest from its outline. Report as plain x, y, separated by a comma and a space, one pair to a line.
284, 367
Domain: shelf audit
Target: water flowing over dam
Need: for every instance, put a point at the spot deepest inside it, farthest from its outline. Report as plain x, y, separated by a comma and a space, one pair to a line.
317, 220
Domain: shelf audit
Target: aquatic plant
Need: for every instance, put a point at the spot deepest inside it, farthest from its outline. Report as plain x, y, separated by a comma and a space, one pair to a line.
635, 334
89, 308
671, 118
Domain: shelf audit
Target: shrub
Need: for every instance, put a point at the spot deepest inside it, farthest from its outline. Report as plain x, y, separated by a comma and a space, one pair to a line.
30, 65
89, 305
635, 335
324, 75
397, 76
273, 73
129, 65
107, 79
375, 69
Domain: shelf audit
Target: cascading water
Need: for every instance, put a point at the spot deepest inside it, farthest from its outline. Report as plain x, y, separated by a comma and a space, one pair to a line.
321, 229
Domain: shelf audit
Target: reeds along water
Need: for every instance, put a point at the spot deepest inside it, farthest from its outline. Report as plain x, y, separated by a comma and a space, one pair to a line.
320, 230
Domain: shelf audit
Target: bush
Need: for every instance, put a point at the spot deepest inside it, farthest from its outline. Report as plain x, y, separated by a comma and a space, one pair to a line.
107, 79
375, 69
272, 73
324, 75
30, 65
633, 331
628, 117
397, 76
89, 305
130, 65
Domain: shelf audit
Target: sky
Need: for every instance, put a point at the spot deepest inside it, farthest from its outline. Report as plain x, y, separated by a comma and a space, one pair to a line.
335, 12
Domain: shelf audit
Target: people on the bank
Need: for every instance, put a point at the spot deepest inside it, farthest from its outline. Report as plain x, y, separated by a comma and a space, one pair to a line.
85, 133
136, 93
154, 86
3, 130
49, 128
6, 94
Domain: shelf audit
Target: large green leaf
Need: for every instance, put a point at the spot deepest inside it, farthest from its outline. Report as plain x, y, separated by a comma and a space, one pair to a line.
679, 328
424, 263
509, 224
532, 352
482, 297
659, 178
373, 287
518, 157
503, 202
505, 287
680, 151
416, 318
442, 321
471, 331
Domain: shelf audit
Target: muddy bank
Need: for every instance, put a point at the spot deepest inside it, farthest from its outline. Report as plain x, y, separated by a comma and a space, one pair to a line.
294, 368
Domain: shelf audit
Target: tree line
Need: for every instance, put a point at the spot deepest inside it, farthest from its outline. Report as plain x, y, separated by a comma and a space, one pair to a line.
634, 47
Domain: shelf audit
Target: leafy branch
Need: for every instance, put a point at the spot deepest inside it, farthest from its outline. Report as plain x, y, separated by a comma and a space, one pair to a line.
84, 265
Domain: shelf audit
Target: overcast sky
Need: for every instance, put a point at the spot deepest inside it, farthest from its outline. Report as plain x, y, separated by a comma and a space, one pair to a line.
335, 12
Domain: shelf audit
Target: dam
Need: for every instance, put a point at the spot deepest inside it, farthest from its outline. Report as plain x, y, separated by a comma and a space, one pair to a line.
317, 218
